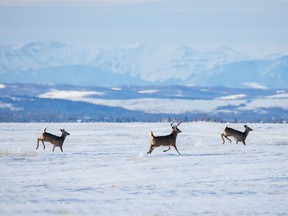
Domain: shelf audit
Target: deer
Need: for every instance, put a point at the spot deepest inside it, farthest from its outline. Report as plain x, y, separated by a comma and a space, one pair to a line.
53, 139
238, 135
168, 140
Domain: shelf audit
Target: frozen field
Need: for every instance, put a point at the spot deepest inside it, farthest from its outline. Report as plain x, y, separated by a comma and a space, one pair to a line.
105, 170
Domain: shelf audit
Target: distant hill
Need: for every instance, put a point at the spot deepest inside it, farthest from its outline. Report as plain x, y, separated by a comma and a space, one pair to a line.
68, 103
57, 63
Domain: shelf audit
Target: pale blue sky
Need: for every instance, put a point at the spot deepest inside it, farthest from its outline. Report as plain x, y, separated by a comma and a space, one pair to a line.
248, 25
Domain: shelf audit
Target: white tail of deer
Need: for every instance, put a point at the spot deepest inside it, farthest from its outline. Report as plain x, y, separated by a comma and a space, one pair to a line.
55, 140
168, 140
238, 135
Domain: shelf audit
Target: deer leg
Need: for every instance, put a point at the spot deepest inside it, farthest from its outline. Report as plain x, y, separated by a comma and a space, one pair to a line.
53, 148
61, 148
227, 138
167, 149
222, 136
37, 143
244, 142
43, 144
176, 149
150, 150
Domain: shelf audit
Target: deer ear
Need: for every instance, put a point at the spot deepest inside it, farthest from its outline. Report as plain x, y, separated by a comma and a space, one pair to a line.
61, 130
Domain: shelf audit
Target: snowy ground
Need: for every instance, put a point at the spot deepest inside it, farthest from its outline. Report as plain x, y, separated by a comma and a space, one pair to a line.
179, 105
105, 170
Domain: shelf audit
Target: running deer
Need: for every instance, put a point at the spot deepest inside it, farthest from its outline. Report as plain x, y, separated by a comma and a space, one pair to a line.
238, 135
55, 140
168, 140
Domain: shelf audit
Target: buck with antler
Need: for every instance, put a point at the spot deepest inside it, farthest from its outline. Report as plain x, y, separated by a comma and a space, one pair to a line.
238, 135
168, 140
55, 140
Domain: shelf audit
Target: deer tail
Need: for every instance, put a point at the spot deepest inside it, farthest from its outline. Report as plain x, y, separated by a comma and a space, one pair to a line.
151, 134
44, 129
227, 124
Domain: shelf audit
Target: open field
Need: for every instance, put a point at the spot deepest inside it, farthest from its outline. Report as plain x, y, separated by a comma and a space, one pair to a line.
105, 170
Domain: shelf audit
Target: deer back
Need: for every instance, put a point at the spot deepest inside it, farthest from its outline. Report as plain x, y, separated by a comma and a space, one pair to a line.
238, 135
165, 140
52, 138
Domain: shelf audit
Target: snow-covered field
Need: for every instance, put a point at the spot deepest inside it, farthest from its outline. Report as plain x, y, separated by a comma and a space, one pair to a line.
105, 170
168, 105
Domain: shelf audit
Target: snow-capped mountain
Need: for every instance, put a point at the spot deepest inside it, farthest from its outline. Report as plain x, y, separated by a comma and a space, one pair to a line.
264, 73
56, 63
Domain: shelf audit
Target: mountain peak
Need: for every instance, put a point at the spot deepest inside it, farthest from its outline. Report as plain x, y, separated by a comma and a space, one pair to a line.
43, 45
135, 45
180, 65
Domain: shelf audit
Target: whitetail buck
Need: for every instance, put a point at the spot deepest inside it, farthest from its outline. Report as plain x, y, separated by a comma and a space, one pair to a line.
238, 135
55, 140
168, 140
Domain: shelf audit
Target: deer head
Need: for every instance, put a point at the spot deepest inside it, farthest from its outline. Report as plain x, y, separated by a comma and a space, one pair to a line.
64, 133
175, 127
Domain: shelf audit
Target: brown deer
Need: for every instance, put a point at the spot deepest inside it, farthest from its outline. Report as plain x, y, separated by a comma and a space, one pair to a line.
55, 140
168, 140
238, 135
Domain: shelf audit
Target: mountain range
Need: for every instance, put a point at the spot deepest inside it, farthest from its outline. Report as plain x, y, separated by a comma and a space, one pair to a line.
57, 63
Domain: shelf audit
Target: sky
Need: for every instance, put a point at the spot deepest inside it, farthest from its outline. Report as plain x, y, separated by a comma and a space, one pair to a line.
246, 25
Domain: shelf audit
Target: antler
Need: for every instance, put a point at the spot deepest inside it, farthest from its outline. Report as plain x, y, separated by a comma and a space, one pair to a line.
175, 126
178, 123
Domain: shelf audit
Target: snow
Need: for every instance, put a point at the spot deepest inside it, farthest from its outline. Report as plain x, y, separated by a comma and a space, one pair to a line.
177, 105
105, 170
254, 85
116, 89
9, 106
266, 103
232, 97
158, 105
149, 105
70, 94
279, 96
148, 64
149, 91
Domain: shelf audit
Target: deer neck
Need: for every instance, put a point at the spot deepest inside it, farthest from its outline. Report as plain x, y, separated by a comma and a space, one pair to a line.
246, 132
174, 133
63, 136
